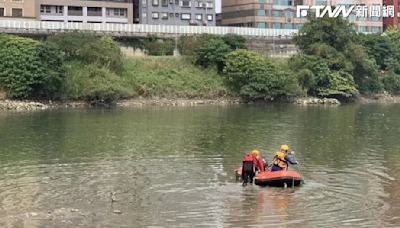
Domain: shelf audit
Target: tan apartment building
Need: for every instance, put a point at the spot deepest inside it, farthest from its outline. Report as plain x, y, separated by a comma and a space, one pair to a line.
86, 11
89, 11
281, 14
17, 9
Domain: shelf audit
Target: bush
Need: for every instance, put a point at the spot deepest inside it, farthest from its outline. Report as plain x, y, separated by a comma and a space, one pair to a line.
254, 77
212, 54
158, 48
391, 83
187, 44
92, 82
341, 84
53, 74
235, 41
89, 49
29, 68
311, 71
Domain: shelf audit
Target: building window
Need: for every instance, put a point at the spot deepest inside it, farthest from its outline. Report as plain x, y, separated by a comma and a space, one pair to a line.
209, 17
261, 24
210, 5
185, 16
321, 2
199, 17
171, 1
177, 15
299, 26
376, 29
261, 12
164, 2
185, 3
119, 12
1, 12
94, 9
282, 2
164, 16
261, 1
144, 3
277, 25
144, 15
375, 18
363, 28
198, 4
16, 13
115, 12
288, 14
276, 13
171, 15
75, 8
45, 9
59, 9
176, 2
352, 17
155, 2
154, 15
289, 26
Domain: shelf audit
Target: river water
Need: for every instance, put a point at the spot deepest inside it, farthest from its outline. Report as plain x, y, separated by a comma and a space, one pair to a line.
174, 167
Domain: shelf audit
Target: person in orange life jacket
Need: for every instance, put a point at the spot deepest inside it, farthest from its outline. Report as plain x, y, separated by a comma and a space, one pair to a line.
282, 159
251, 162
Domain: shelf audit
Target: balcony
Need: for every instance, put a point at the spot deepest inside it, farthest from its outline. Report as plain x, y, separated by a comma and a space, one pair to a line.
94, 12
75, 11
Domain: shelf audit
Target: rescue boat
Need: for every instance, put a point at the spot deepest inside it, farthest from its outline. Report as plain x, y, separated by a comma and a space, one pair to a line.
275, 179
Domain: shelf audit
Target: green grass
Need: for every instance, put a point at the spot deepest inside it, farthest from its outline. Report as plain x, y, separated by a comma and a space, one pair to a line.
171, 77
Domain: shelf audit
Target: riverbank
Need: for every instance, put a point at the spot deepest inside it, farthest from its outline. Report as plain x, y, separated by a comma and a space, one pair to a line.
28, 105
31, 105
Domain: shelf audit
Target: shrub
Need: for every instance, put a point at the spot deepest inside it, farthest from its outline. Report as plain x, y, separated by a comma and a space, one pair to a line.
254, 77
29, 68
92, 82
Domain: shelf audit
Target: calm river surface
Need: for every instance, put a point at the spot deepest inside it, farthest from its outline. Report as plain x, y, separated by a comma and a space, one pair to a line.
174, 167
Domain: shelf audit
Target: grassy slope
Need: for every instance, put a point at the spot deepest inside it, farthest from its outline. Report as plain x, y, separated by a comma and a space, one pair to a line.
170, 77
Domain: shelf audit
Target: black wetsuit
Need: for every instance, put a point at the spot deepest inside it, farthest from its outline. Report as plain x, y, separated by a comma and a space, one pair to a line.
248, 172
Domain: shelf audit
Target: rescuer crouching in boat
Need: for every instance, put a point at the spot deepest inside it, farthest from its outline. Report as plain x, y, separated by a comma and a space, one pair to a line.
251, 162
282, 159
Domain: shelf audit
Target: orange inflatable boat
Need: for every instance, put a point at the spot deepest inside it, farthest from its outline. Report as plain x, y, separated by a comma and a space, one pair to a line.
276, 179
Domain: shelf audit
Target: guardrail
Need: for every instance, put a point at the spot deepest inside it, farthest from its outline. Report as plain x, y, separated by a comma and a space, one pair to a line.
46, 27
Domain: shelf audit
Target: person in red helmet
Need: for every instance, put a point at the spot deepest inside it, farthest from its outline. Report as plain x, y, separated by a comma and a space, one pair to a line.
251, 162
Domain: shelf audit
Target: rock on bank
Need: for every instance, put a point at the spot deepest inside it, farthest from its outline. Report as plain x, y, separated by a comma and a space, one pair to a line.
34, 105
22, 105
314, 101
177, 102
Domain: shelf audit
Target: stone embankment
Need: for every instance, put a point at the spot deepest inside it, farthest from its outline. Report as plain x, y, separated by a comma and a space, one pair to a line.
22, 105
19, 105
35, 105
177, 102
315, 101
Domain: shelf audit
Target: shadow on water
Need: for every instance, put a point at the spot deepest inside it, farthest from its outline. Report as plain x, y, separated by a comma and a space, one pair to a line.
174, 167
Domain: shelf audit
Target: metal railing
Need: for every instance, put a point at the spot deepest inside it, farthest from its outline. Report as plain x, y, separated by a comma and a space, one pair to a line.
49, 26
